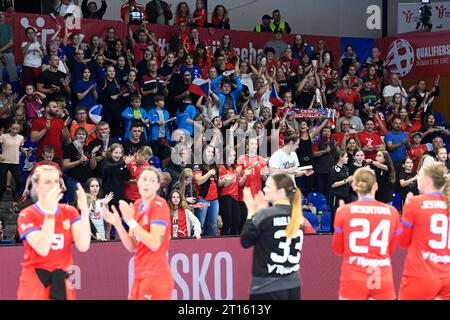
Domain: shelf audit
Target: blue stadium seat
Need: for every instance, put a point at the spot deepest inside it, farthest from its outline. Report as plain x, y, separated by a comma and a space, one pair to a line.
397, 202
325, 222
319, 201
312, 218
440, 120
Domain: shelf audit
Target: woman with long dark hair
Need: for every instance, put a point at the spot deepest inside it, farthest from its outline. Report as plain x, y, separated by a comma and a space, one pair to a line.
184, 222
276, 232
220, 19
340, 180
229, 208
385, 173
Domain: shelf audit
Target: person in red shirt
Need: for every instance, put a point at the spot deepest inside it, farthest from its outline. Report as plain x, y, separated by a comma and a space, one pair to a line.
206, 178
349, 94
48, 229
229, 208
50, 130
220, 18
182, 14
426, 223
200, 15
126, 9
365, 233
415, 114
145, 40
254, 170
370, 141
136, 166
417, 150
148, 237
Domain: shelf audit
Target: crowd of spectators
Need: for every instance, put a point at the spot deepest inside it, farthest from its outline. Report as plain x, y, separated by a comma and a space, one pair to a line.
210, 147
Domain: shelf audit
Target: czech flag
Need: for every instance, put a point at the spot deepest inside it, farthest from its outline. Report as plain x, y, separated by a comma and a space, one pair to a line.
275, 99
200, 87
95, 113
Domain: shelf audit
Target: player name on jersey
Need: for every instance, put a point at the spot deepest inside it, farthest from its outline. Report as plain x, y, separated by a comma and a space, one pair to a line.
370, 210
364, 262
281, 221
434, 204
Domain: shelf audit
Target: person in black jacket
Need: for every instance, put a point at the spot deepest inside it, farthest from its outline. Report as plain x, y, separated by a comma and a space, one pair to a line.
340, 180
277, 235
90, 10
115, 173
110, 98
158, 12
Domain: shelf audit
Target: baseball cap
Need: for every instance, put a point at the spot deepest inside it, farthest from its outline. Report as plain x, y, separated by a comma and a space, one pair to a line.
416, 134
266, 16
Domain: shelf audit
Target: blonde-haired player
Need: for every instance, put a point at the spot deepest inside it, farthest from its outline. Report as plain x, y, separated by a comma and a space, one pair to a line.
365, 233
426, 234
48, 229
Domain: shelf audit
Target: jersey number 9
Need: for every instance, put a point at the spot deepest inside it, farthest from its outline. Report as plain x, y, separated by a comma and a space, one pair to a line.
439, 225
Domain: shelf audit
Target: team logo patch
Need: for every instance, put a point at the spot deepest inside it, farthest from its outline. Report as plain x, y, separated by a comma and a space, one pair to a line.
66, 224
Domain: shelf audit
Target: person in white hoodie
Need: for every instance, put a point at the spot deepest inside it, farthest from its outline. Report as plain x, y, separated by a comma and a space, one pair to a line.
184, 222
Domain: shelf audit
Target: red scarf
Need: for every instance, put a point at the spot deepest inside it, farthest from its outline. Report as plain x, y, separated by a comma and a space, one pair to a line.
182, 224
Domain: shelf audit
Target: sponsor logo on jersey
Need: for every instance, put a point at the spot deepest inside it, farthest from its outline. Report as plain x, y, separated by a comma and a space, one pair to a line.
433, 257
66, 224
364, 262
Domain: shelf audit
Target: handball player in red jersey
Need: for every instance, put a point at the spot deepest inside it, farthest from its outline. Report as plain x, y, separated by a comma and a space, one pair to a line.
47, 229
426, 224
149, 225
365, 233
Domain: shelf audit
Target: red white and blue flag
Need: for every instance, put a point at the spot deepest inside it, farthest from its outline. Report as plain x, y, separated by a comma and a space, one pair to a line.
200, 87
275, 99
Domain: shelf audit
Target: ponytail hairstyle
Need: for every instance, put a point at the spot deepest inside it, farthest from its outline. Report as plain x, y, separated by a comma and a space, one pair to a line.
363, 181
438, 173
284, 181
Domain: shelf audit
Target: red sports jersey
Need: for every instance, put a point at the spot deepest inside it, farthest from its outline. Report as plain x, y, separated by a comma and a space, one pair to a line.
31, 219
233, 189
369, 140
426, 223
254, 180
365, 233
131, 188
148, 263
